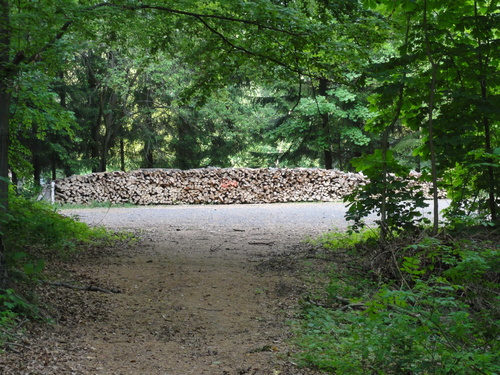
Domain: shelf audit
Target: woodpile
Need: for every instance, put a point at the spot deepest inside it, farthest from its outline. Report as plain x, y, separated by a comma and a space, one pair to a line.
208, 186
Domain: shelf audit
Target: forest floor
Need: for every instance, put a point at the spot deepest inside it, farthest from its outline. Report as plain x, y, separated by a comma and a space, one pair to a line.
203, 290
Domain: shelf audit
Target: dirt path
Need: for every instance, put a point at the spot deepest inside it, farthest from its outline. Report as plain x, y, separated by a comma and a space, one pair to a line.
202, 293
193, 301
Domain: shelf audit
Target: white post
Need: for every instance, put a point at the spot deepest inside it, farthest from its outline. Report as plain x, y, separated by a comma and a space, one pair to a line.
53, 192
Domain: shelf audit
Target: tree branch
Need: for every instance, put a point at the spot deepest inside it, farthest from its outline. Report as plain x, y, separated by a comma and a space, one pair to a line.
91, 288
20, 57
200, 16
247, 51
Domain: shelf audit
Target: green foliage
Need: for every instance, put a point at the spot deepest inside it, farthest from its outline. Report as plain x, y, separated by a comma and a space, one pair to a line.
444, 320
339, 240
388, 192
41, 225
34, 232
13, 305
467, 186
7, 325
331, 123
443, 77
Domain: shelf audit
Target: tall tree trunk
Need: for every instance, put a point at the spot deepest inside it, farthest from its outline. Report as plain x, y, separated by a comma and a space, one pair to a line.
148, 155
490, 173
4, 172
122, 154
103, 163
492, 183
384, 196
4, 143
54, 169
4, 131
430, 123
340, 157
95, 127
327, 152
109, 124
328, 156
37, 171
94, 134
36, 159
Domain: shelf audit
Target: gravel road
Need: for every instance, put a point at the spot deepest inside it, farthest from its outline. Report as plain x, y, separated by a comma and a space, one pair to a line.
313, 216
266, 227
229, 227
310, 218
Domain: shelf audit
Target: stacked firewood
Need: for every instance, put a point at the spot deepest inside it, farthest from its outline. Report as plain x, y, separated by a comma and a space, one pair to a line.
208, 186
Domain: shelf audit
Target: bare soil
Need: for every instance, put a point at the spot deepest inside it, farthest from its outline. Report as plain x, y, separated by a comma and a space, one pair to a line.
204, 290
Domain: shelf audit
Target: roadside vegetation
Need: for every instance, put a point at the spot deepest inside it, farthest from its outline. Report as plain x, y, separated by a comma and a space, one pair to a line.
416, 304
38, 234
408, 296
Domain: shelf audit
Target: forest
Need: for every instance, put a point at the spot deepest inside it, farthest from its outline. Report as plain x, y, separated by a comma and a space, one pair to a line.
382, 87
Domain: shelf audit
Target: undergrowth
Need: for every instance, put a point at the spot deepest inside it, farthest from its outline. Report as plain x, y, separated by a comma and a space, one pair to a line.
35, 233
427, 305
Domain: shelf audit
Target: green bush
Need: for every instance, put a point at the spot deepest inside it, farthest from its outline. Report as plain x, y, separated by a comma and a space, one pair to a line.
338, 240
35, 231
389, 192
441, 317
38, 224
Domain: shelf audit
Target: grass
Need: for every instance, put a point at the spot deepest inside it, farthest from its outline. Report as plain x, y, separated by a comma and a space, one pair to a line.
94, 204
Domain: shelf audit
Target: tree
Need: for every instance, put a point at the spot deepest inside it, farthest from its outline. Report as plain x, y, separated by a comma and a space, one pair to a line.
4, 128
439, 83
327, 123
39, 126
330, 107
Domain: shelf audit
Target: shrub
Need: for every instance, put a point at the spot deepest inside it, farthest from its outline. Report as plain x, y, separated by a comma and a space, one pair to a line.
441, 317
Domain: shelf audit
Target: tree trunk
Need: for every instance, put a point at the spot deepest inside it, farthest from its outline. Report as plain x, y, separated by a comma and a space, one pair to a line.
95, 129
490, 171
328, 156
148, 155
490, 174
122, 154
53, 166
37, 171
103, 164
5, 76
4, 143
36, 159
327, 152
109, 123
430, 123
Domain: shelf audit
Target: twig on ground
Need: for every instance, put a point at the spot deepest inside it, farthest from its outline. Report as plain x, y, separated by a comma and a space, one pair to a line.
90, 288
